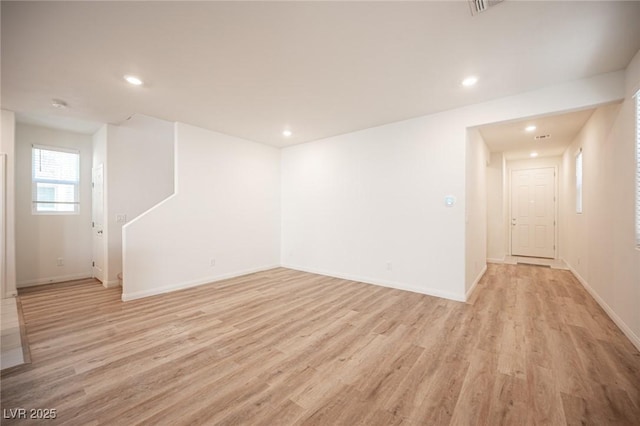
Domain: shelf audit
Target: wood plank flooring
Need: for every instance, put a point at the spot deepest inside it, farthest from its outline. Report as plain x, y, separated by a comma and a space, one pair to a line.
285, 347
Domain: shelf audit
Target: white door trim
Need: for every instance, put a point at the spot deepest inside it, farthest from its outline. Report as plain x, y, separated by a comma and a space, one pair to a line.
95, 255
3, 233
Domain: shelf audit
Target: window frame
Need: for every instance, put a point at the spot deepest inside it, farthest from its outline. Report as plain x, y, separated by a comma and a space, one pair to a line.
579, 160
637, 174
35, 181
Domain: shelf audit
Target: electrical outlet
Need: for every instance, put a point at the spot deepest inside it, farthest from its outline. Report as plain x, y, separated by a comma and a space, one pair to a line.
60, 261
212, 263
389, 266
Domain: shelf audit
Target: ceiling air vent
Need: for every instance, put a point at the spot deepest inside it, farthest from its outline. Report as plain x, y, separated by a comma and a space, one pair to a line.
541, 137
478, 6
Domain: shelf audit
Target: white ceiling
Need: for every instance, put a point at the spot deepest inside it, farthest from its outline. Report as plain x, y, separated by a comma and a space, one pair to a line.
512, 139
250, 69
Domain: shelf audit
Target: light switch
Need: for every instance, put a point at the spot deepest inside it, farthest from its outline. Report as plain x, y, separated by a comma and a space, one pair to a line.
449, 200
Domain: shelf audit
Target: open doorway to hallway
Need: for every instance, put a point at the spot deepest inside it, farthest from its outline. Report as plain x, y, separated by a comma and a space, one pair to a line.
525, 208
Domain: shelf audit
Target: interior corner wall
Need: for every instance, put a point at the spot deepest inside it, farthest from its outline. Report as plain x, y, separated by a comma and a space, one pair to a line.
599, 244
43, 239
222, 221
7, 147
477, 160
139, 173
496, 208
369, 205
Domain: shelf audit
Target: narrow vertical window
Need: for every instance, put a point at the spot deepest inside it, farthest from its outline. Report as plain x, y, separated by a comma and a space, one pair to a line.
638, 169
579, 182
55, 180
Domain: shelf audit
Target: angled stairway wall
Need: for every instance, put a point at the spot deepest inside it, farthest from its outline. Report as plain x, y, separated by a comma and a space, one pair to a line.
223, 219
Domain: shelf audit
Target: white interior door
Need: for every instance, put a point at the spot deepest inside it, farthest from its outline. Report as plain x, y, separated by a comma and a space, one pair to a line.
533, 212
97, 217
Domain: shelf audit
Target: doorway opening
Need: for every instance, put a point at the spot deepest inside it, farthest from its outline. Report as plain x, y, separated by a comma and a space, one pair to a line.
97, 221
525, 204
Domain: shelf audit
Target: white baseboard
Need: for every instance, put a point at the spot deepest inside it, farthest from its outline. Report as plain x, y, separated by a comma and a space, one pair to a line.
614, 317
475, 283
382, 283
495, 260
187, 284
52, 280
112, 283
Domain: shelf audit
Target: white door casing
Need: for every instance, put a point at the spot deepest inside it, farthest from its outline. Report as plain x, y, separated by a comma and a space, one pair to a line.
533, 212
3, 234
97, 218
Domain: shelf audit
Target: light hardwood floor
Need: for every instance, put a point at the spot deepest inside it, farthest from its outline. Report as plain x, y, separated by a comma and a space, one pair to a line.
286, 347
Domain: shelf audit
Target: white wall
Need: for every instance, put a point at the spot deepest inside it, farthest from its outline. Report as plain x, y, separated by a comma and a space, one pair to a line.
7, 147
595, 140
599, 244
496, 208
226, 207
477, 160
533, 163
140, 157
356, 202
42, 239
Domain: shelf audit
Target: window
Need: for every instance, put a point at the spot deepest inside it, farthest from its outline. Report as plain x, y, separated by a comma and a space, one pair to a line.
579, 182
638, 169
55, 180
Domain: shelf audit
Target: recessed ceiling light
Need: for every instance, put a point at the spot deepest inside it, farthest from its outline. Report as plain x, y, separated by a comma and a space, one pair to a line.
132, 79
286, 133
533, 154
58, 103
530, 128
469, 81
